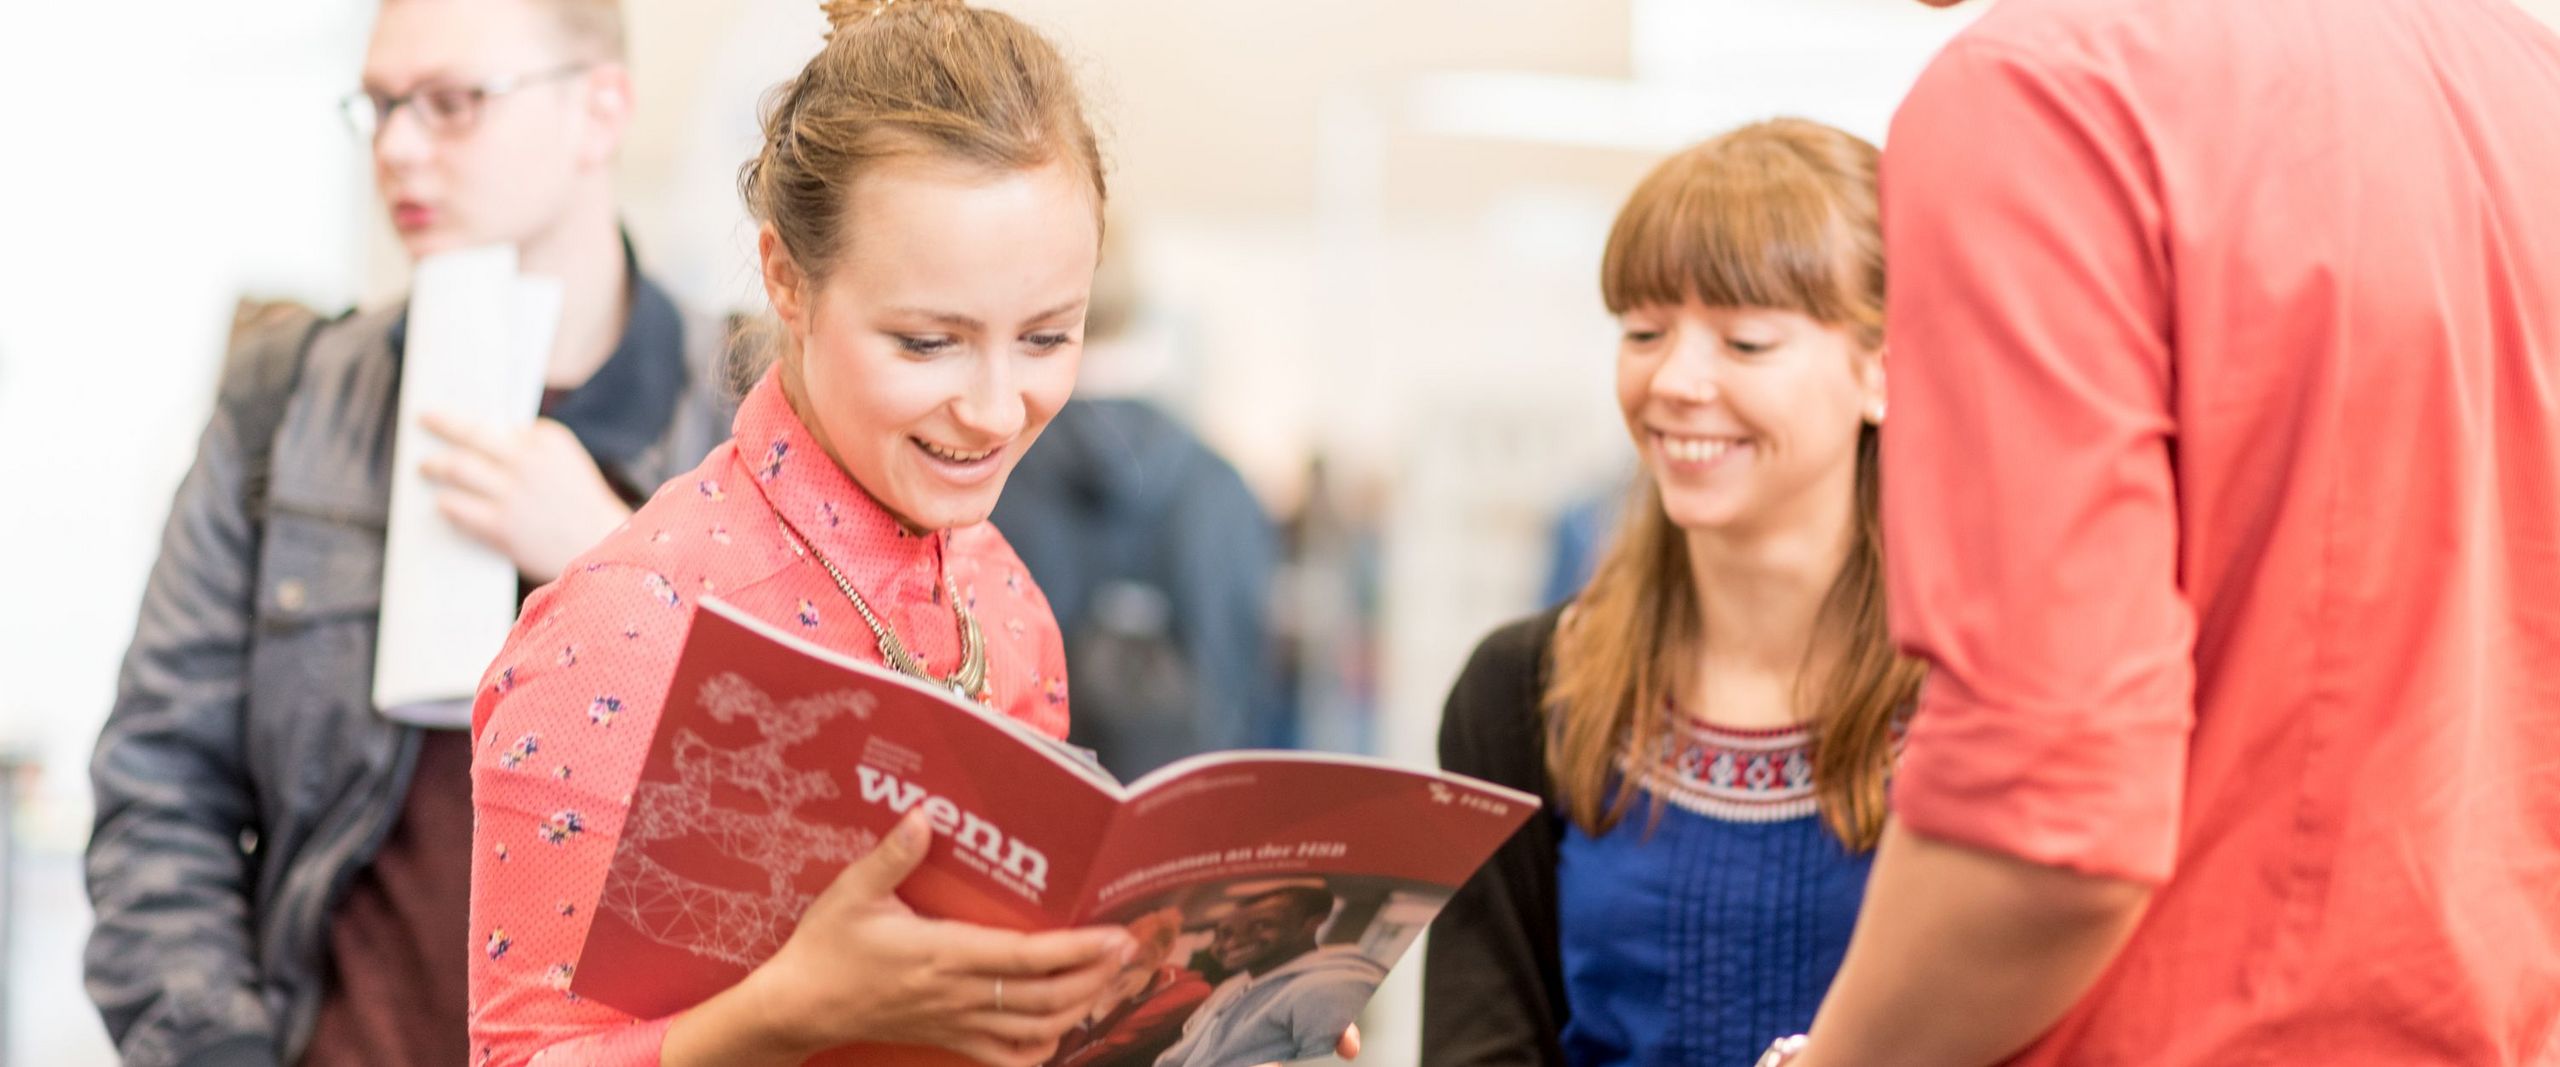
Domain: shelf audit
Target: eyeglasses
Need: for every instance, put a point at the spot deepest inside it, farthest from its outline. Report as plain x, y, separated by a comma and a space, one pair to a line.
444, 110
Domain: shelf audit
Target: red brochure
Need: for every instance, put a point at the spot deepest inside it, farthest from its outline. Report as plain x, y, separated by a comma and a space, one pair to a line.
1269, 892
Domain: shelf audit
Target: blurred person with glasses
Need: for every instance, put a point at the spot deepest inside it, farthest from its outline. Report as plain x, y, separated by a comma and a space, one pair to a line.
280, 873
445, 110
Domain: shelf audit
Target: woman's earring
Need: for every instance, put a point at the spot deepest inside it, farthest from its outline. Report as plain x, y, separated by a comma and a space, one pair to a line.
1876, 414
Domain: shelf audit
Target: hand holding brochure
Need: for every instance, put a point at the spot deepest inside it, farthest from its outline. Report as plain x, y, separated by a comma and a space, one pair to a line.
1269, 891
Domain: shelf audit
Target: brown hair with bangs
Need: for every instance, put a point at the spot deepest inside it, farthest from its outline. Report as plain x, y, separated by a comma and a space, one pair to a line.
1782, 215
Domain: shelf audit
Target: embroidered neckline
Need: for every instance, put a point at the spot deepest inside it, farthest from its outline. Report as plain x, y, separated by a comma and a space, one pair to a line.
1737, 775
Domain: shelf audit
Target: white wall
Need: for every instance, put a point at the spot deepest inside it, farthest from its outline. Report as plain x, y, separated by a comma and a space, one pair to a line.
161, 156
149, 179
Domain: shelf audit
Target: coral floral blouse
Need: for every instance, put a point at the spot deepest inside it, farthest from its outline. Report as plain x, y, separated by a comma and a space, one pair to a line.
566, 713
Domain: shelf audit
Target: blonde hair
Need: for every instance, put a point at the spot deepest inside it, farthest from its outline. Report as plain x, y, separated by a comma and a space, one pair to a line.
1778, 214
593, 28
907, 77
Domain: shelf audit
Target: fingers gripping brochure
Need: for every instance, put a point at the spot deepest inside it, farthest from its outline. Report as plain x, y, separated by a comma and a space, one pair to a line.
1268, 892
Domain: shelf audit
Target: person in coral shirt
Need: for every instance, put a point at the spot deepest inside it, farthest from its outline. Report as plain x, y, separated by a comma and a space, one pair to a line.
2222, 490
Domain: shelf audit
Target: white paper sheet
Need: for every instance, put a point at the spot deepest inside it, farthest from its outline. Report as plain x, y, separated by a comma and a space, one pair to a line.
479, 337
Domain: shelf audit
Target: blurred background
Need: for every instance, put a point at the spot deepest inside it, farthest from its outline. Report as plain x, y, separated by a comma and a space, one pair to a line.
1360, 242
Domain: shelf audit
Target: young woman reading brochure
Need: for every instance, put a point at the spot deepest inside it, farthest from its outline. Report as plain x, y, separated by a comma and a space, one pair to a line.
931, 198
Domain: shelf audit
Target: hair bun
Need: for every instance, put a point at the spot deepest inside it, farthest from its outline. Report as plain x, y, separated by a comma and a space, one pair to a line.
843, 15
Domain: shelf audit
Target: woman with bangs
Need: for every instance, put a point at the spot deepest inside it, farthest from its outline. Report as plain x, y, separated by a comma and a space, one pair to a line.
1714, 716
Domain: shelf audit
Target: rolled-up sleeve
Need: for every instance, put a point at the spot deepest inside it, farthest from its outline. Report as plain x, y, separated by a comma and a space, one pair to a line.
2031, 509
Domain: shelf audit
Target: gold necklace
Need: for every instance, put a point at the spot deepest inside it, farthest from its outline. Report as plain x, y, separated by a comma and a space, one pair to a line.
969, 682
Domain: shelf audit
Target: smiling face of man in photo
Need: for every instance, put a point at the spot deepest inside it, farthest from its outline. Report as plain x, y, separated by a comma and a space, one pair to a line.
1269, 930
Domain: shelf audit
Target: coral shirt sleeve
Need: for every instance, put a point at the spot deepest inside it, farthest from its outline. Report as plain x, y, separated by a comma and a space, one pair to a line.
565, 718
2030, 495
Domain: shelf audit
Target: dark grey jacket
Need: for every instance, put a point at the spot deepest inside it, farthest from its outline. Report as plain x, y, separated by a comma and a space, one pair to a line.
243, 777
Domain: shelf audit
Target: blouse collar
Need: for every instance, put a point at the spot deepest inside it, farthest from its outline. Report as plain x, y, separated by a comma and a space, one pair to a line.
819, 503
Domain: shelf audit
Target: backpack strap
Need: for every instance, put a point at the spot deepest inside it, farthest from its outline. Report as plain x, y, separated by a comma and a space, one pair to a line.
269, 343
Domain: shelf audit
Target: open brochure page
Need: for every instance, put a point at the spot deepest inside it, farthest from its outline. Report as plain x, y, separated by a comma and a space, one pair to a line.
1269, 892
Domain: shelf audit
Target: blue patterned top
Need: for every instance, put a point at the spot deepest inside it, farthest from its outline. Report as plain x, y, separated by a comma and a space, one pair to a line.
1699, 938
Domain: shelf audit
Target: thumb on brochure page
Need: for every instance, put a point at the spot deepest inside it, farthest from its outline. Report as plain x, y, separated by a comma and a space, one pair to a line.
877, 874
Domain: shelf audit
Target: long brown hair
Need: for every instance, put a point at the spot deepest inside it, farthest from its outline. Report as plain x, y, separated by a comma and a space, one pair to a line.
1779, 214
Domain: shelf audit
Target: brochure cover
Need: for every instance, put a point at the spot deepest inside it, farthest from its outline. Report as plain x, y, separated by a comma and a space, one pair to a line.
1269, 892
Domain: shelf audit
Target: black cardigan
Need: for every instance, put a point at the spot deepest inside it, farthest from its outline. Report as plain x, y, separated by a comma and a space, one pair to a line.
1493, 980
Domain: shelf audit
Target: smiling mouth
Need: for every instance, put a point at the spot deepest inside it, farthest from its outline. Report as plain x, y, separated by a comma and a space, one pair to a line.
953, 455
1698, 449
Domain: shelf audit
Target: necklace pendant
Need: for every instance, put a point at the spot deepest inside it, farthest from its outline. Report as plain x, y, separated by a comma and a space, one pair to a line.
968, 683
